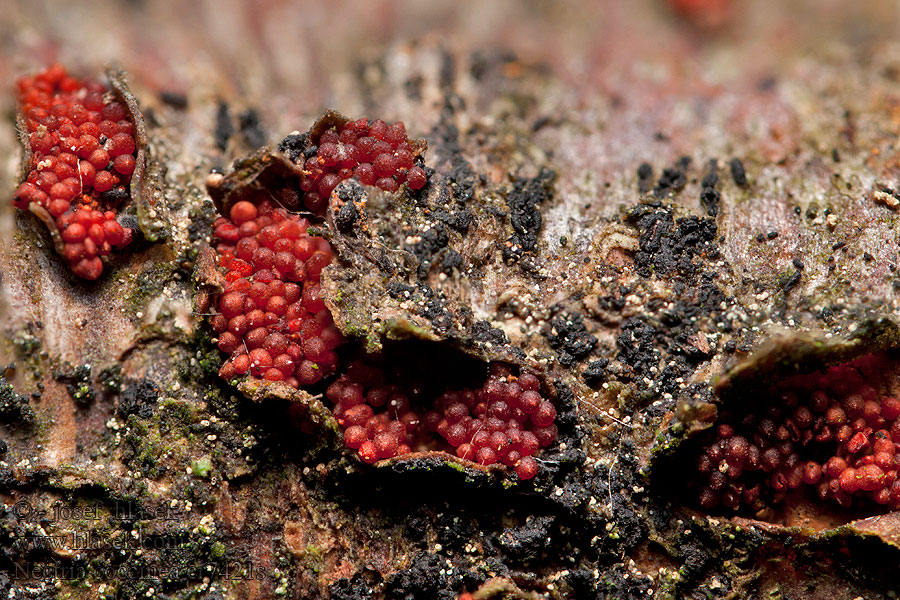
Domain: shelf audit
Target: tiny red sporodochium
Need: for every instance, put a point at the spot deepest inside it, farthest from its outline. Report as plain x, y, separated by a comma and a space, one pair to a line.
82, 158
836, 431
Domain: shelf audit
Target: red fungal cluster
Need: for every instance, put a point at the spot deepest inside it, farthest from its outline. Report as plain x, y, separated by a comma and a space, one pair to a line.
504, 421
837, 432
374, 153
272, 321
82, 158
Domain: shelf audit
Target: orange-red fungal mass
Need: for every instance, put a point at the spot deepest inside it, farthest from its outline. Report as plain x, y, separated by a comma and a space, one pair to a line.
82, 157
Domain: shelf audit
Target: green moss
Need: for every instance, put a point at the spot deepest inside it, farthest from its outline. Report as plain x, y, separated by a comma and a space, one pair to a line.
314, 558
217, 550
177, 411
202, 467
77, 381
26, 344
146, 446
208, 358
457, 467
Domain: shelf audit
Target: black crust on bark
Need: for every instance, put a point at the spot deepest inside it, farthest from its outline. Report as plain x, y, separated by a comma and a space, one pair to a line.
525, 199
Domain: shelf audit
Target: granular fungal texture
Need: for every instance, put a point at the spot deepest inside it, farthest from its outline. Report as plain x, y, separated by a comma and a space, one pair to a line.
569, 336
372, 152
81, 142
669, 246
709, 195
272, 321
836, 432
524, 201
505, 421
273, 324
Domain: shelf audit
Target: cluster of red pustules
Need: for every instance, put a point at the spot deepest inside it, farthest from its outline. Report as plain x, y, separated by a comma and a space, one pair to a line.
505, 421
373, 153
82, 148
839, 433
274, 325
272, 321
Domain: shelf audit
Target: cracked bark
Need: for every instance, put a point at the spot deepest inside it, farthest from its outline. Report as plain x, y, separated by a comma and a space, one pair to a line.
807, 100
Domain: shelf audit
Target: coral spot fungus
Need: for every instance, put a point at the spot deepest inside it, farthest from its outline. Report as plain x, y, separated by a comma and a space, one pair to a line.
372, 152
505, 421
272, 321
836, 432
80, 159
273, 324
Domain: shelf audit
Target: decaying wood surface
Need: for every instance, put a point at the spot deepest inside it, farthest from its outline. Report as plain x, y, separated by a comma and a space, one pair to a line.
133, 471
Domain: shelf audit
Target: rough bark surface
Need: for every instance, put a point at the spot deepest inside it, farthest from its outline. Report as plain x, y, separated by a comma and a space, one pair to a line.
644, 301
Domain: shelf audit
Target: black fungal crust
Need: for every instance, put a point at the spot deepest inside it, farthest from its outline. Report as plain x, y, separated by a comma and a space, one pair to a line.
14, 407
351, 588
461, 176
645, 177
527, 541
482, 331
425, 578
77, 381
224, 129
709, 195
346, 217
638, 346
569, 336
175, 99
615, 582
138, 399
430, 242
351, 199
673, 179
737, 172
251, 127
294, 146
668, 341
442, 219
667, 246
595, 372
524, 200
792, 282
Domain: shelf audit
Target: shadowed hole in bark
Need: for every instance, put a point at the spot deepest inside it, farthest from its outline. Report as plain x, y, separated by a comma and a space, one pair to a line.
420, 404
818, 448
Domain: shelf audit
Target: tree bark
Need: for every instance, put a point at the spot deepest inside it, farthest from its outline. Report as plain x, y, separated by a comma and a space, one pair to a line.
644, 302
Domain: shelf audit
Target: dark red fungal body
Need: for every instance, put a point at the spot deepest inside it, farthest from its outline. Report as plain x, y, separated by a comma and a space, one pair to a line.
485, 425
82, 148
272, 322
837, 432
374, 153
274, 326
